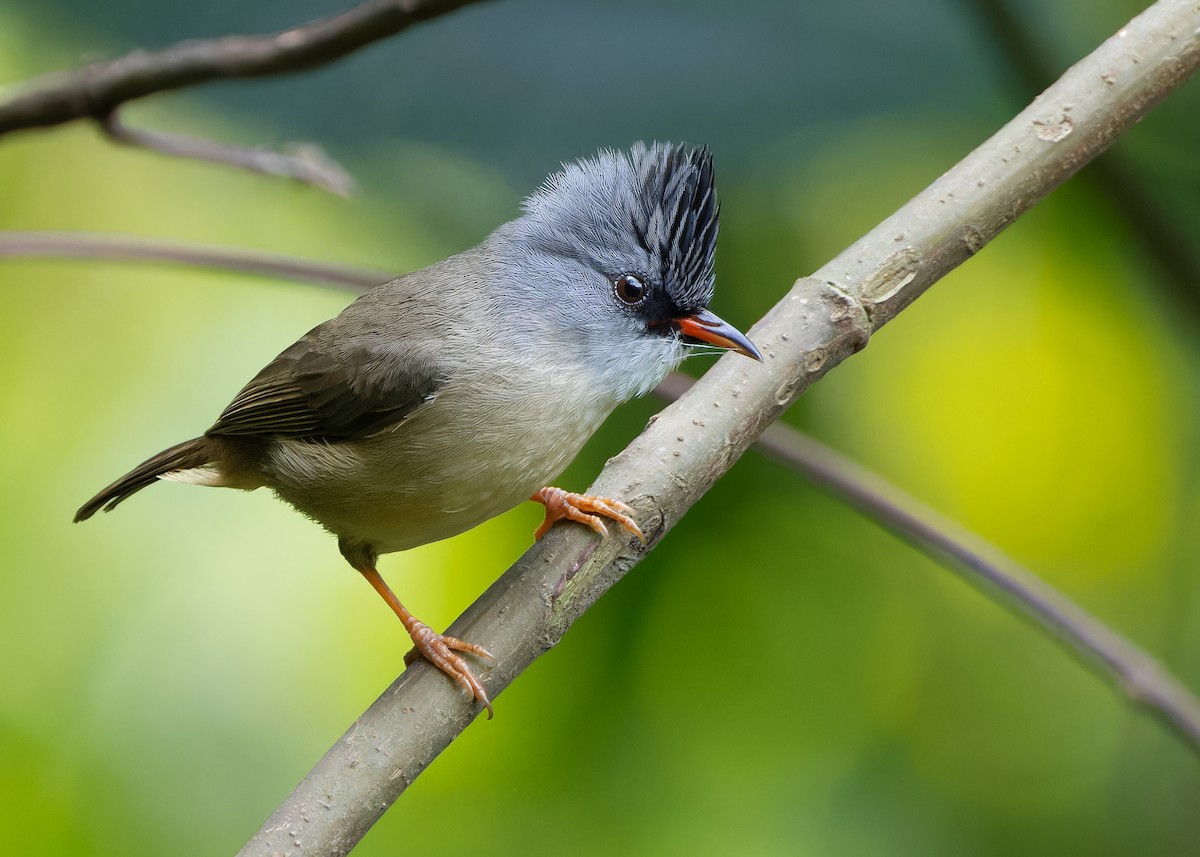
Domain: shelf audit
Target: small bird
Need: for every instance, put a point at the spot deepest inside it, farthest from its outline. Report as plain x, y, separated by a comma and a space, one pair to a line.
449, 395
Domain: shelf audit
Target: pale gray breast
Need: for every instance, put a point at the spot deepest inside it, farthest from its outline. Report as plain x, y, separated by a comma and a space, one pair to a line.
480, 447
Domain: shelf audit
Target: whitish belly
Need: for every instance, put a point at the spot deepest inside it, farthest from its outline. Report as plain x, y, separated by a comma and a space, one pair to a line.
438, 474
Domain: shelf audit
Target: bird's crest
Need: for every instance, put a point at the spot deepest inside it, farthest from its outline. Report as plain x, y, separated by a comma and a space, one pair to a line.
657, 203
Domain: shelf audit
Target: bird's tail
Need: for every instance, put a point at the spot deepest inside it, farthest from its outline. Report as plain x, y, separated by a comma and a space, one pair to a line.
183, 456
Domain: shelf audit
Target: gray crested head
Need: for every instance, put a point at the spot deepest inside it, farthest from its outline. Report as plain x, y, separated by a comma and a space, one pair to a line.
651, 212
611, 267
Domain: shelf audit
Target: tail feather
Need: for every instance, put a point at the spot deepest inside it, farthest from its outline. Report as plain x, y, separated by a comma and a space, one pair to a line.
182, 456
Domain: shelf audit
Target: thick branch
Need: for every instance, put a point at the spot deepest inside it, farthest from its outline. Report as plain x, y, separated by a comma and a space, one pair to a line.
1160, 235
819, 323
96, 90
1139, 676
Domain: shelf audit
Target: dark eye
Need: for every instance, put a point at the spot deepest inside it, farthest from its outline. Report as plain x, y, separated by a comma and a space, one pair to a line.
630, 289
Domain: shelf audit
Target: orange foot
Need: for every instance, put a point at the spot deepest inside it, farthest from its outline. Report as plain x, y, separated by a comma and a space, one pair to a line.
436, 648
584, 508
440, 649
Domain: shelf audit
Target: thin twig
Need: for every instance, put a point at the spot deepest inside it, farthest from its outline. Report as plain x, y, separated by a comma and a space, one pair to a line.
94, 91
1134, 672
93, 245
306, 163
691, 444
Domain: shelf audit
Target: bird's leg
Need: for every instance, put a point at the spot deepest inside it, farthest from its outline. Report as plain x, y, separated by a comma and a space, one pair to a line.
438, 649
584, 508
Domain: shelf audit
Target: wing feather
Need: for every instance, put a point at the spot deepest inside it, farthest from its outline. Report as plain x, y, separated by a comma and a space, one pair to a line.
317, 392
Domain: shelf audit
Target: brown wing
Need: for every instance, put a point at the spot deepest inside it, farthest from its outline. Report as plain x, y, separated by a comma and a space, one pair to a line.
309, 392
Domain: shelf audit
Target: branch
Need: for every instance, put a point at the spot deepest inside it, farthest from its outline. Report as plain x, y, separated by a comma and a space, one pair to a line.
306, 162
1159, 234
84, 245
822, 320
1134, 672
1137, 675
96, 90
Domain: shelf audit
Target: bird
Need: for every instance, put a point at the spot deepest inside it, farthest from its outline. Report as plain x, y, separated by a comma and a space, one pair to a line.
452, 394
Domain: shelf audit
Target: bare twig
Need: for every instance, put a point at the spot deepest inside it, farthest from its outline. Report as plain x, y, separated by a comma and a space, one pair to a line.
694, 441
94, 91
1135, 673
306, 163
93, 245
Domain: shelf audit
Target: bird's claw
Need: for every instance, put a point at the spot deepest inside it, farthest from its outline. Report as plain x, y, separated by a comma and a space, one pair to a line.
585, 509
439, 650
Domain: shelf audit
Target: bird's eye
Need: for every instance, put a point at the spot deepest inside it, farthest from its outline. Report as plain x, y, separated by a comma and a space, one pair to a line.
630, 289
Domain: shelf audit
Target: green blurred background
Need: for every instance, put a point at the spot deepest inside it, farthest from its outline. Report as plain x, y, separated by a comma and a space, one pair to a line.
780, 676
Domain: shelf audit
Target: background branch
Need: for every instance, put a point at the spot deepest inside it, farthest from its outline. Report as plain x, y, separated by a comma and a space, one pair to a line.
693, 442
128, 248
1135, 673
94, 91
97, 91
305, 162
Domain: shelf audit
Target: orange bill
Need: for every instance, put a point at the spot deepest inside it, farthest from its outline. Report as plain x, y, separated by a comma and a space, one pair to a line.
707, 327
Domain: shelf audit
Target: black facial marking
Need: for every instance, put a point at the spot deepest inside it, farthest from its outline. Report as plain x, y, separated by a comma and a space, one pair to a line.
675, 218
